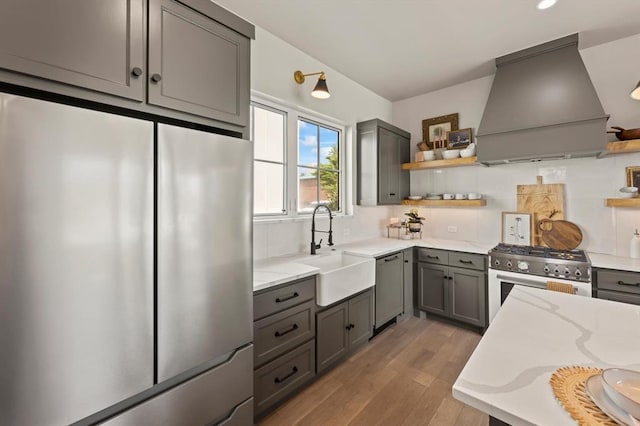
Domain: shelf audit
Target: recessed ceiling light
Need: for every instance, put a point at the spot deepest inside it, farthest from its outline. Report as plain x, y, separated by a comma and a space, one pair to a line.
546, 4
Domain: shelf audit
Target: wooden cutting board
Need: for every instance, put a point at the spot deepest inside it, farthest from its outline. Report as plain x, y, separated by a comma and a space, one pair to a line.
560, 234
544, 201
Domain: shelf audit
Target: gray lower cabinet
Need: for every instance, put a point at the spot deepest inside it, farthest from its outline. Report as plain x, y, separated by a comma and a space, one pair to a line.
389, 288
197, 64
91, 44
284, 331
451, 291
407, 278
619, 286
382, 148
342, 328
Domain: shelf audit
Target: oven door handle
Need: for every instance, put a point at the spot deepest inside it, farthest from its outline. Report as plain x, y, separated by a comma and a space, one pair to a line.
522, 281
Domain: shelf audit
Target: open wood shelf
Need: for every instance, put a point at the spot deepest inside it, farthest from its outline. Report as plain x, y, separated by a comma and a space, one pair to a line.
445, 203
623, 147
437, 164
623, 202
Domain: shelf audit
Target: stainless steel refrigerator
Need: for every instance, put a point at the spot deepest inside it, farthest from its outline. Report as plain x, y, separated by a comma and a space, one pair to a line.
125, 269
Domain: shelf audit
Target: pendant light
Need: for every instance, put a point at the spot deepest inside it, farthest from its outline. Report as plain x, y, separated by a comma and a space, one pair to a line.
320, 91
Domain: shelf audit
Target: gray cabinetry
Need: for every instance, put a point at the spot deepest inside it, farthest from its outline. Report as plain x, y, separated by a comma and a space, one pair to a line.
389, 288
382, 148
407, 278
344, 327
619, 286
196, 64
284, 337
98, 45
453, 285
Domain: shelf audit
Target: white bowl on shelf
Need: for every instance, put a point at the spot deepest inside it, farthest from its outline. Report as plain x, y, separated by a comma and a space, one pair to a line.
629, 191
474, 196
448, 196
450, 154
461, 196
623, 388
414, 197
429, 155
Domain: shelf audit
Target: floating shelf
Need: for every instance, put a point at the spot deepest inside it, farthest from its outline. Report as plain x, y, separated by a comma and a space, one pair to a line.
445, 203
623, 202
622, 147
437, 164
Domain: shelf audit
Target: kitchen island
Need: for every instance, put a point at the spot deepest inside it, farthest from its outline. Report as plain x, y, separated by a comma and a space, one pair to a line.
534, 333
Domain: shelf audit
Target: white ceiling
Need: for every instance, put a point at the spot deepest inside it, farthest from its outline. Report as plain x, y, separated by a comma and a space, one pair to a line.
403, 48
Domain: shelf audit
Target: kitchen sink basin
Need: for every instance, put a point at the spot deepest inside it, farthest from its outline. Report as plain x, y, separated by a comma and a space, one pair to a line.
341, 275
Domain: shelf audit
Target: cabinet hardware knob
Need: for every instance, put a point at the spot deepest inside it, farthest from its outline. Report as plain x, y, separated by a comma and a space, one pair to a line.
136, 72
445, 277
432, 257
156, 78
283, 378
348, 327
406, 261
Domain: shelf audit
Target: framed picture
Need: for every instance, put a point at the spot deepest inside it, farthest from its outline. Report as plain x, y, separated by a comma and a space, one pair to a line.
517, 228
633, 176
436, 128
458, 139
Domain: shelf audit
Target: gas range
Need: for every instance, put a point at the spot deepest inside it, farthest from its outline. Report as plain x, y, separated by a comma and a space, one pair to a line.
542, 261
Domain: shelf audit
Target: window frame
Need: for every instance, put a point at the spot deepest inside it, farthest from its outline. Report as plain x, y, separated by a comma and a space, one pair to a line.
292, 115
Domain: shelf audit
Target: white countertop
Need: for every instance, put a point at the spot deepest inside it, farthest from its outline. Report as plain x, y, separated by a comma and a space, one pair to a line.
271, 272
534, 333
614, 262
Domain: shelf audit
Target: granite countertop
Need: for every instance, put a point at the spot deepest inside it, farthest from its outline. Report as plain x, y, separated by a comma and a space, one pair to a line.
534, 333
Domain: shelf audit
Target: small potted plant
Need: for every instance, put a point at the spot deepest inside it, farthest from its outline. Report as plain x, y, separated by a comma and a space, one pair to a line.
414, 221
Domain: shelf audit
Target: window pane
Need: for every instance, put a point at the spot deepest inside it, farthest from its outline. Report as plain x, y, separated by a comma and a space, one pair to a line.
268, 134
330, 189
307, 189
329, 148
268, 188
307, 144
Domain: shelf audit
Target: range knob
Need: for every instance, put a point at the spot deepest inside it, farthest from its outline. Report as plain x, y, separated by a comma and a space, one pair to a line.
567, 271
496, 262
509, 264
556, 271
546, 269
523, 266
578, 273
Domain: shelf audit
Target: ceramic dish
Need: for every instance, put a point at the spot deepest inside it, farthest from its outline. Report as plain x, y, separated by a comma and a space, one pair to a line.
434, 197
448, 196
474, 196
623, 388
429, 155
629, 191
461, 196
450, 154
595, 390
414, 197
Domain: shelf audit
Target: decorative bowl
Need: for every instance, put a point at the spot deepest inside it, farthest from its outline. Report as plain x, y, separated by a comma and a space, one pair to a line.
469, 151
414, 197
474, 196
623, 388
629, 191
429, 155
461, 196
450, 154
448, 196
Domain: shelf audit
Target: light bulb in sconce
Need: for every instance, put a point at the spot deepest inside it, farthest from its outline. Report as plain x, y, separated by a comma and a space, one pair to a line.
320, 91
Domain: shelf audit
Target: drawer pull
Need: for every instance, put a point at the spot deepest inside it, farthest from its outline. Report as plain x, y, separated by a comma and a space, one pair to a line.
284, 299
392, 259
280, 380
432, 257
466, 262
630, 284
287, 331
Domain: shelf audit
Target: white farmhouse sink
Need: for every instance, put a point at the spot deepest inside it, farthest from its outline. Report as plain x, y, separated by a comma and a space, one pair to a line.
341, 275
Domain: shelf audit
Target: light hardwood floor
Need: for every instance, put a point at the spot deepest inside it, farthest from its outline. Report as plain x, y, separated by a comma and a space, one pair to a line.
401, 377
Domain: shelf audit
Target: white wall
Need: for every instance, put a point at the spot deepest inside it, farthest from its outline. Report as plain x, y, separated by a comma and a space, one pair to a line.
273, 63
614, 69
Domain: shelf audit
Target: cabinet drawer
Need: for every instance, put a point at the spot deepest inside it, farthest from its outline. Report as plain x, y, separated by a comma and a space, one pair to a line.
276, 334
467, 260
284, 297
282, 376
433, 256
627, 282
634, 299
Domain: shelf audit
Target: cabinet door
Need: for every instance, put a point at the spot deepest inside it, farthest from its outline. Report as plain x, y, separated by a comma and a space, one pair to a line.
404, 156
92, 44
332, 335
389, 288
467, 288
388, 167
432, 288
360, 319
197, 65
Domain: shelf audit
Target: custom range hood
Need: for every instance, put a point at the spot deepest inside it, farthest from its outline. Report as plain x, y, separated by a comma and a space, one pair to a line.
542, 106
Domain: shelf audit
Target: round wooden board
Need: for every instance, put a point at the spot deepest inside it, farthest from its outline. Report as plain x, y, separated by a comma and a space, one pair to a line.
560, 234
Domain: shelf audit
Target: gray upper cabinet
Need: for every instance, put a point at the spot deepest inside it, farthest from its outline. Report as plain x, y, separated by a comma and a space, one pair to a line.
196, 64
382, 148
98, 45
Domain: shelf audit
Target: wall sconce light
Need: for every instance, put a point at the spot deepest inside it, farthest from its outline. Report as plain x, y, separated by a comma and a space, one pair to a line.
635, 93
320, 91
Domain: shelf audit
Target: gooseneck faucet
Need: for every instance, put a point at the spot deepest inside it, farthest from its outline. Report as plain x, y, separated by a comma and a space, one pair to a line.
315, 246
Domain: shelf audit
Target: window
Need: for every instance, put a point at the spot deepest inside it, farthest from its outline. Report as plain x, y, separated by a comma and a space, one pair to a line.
318, 166
268, 130
298, 161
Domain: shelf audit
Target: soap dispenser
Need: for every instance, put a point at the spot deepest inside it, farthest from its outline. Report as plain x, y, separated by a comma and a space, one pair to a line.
634, 249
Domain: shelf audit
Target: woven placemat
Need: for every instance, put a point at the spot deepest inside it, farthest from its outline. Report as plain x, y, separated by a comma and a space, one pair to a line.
568, 387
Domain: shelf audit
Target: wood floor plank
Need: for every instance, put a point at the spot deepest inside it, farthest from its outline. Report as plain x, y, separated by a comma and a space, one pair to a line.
402, 376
